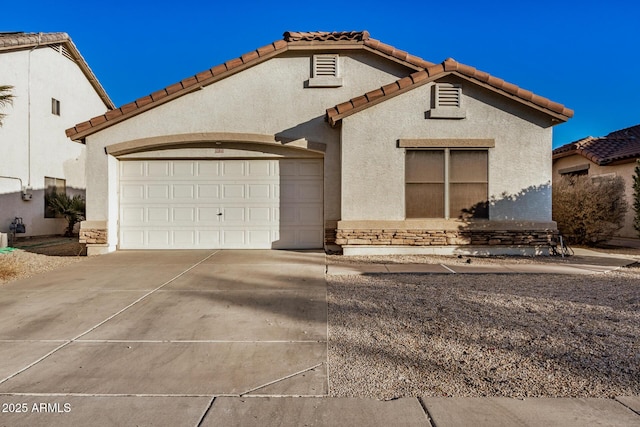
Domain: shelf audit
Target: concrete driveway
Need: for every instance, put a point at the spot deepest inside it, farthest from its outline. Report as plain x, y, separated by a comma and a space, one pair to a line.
204, 338
173, 328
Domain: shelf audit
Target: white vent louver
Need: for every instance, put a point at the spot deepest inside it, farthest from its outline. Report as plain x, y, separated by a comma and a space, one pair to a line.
448, 102
326, 71
448, 95
325, 66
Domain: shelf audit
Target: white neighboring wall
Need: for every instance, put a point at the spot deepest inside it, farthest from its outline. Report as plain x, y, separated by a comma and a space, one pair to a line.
32, 139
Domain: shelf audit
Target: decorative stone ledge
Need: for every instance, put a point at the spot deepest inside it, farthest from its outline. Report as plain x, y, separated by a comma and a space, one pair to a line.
93, 236
413, 237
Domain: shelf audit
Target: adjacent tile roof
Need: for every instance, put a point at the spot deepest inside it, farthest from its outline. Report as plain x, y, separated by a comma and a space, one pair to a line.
435, 71
291, 40
617, 147
20, 41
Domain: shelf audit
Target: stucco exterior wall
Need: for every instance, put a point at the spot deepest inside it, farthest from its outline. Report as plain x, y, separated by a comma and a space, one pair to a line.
267, 99
32, 139
625, 170
519, 164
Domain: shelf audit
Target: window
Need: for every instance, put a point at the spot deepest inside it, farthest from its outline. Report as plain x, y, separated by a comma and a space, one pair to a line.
447, 101
446, 183
55, 106
325, 71
52, 186
578, 170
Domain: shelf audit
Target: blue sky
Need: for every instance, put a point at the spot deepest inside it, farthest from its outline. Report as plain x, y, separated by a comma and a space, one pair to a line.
583, 54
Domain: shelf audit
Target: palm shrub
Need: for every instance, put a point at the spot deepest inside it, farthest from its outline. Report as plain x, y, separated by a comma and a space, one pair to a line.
636, 197
6, 97
73, 209
589, 211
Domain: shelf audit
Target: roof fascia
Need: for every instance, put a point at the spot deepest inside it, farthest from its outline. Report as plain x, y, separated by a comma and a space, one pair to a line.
556, 116
64, 39
147, 103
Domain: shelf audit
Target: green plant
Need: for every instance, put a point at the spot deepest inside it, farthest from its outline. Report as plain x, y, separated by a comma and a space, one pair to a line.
589, 211
70, 208
636, 197
6, 97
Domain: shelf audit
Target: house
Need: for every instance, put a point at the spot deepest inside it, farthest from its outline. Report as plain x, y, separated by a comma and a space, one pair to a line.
53, 88
612, 155
324, 139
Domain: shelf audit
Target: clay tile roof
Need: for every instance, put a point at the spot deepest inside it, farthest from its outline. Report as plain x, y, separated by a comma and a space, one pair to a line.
617, 147
324, 36
12, 41
434, 71
314, 40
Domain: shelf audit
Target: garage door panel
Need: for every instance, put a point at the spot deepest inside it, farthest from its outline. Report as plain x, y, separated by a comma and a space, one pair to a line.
185, 169
184, 214
233, 191
209, 192
160, 191
184, 204
133, 216
158, 169
183, 191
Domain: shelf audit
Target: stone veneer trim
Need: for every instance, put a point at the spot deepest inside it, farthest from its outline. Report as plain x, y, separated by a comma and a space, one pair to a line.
413, 237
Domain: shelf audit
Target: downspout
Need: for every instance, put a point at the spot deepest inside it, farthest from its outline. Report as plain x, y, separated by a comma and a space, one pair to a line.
29, 110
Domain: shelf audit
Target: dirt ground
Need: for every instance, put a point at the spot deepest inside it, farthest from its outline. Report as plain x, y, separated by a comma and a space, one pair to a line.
52, 246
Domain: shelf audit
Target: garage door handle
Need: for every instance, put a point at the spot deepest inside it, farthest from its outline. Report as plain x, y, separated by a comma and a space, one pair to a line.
220, 214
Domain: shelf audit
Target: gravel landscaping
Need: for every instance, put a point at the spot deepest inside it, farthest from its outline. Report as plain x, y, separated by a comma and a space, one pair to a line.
521, 336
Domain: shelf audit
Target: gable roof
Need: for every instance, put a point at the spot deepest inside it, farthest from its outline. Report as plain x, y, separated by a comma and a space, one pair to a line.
291, 41
619, 146
15, 41
436, 71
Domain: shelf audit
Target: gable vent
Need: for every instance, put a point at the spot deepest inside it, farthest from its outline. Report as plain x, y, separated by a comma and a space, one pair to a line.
447, 102
61, 49
325, 66
325, 72
448, 95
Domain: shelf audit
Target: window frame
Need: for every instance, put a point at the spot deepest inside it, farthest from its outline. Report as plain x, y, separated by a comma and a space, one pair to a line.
447, 183
55, 107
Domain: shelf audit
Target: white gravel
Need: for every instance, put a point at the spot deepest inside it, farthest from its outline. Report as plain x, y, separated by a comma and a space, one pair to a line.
485, 335
20, 264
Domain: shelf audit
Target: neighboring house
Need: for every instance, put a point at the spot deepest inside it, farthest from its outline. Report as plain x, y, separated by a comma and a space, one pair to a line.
53, 89
324, 139
611, 155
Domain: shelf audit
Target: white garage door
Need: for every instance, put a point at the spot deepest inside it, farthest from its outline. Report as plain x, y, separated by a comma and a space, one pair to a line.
229, 204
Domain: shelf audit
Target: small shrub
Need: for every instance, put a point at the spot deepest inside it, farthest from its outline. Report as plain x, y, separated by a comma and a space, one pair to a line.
589, 211
636, 198
70, 208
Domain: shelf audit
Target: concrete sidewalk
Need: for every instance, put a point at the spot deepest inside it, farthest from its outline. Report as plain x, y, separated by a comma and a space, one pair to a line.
203, 338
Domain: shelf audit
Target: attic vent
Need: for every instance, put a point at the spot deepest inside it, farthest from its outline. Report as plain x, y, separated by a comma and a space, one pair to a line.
448, 95
325, 65
326, 71
61, 49
448, 102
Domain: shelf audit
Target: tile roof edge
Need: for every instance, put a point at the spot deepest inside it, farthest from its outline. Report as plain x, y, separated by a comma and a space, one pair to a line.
435, 71
34, 40
204, 78
176, 90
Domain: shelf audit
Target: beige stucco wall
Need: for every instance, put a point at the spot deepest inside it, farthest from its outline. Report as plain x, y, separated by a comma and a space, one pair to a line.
267, 99
625, 170
519, 164
32, 139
